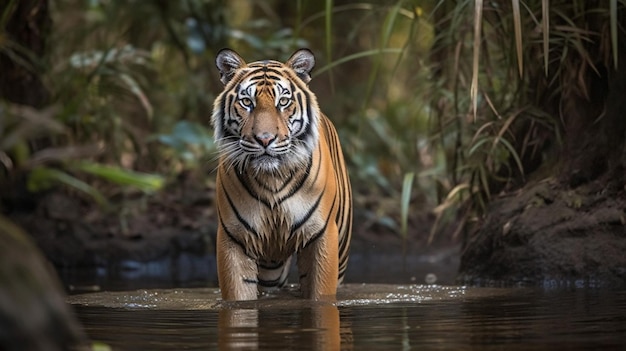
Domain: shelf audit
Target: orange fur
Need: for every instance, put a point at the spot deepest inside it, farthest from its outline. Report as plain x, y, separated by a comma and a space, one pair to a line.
282, 184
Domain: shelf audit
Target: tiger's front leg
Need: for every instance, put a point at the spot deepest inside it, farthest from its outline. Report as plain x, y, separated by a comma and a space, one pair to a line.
236, 271
318, 265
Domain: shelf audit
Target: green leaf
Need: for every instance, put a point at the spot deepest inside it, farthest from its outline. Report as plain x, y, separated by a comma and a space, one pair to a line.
42, 178
144, 181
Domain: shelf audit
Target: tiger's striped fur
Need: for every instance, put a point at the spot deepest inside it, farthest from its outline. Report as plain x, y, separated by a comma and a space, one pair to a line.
282, 184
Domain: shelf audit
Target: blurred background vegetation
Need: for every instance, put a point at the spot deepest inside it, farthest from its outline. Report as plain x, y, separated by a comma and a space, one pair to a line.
439, 104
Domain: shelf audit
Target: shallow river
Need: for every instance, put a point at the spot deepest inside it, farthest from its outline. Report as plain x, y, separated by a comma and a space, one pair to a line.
364, 317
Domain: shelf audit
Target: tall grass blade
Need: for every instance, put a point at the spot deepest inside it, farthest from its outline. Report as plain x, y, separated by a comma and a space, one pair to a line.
451, 199
613, 13
477, 145
478, 18
387, 30
405, 200
6, 14
358, 55
298, 23
513, 153
328, 24
390, 22
545, 13
517, 21
136, 90
483, 175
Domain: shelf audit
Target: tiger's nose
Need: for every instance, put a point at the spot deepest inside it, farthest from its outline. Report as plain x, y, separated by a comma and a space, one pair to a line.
265, 138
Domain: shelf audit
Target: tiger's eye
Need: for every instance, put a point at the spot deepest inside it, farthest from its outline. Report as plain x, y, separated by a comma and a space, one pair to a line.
246, 102
283, 101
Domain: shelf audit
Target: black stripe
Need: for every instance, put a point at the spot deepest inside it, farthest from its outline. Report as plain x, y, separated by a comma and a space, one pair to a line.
271, 283
344, 213
306, 217
319, 166
298, 96
260, 74
341, 275
264, 185
342, 261
250, 281
321, 231
230, 119
255, 78
239, 217
273, 77
271, 265
300, 183
307, 175
232, 237
267, 70
286, 183
309, 114
243, 181
223, 104
228, 134
345, 242
289, 179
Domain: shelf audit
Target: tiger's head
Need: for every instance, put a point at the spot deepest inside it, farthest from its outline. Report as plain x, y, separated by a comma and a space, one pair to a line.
266, 118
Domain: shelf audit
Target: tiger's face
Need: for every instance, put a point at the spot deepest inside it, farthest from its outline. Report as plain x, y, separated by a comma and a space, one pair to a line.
265, 120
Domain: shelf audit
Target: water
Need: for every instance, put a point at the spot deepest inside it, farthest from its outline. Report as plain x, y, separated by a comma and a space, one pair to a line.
364, 317
191, 270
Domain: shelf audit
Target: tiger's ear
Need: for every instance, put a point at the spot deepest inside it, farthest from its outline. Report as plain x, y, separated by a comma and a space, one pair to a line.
228, 61
302, 62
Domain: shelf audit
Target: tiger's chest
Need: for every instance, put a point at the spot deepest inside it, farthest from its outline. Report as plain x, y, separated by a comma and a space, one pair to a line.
271, 221
284, 228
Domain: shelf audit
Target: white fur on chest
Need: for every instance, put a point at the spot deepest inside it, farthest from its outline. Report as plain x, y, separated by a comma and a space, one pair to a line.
284, 228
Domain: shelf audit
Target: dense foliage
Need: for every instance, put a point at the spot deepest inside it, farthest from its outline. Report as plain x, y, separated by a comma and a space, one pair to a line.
437, 102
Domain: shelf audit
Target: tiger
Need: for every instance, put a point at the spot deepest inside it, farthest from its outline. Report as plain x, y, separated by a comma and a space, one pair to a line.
282, 187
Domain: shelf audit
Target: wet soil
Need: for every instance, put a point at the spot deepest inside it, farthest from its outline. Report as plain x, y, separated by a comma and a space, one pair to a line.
548, 234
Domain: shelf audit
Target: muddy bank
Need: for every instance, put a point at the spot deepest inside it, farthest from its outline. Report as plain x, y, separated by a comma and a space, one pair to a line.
548, 235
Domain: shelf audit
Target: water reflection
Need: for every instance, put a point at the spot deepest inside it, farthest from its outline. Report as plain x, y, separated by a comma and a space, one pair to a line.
364, 317
317, 327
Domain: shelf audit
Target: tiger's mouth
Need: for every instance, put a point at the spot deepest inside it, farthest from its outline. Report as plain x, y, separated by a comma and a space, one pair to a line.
266, 162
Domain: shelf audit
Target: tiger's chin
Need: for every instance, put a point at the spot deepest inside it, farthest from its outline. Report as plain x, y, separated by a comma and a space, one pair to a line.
266, 164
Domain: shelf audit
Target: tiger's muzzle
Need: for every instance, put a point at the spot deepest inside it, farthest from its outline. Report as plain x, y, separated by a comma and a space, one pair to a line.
265, 151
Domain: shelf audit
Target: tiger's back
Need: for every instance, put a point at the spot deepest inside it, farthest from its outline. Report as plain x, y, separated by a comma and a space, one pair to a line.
282, 184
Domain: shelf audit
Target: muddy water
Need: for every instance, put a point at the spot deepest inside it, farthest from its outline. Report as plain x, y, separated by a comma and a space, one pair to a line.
364, 317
